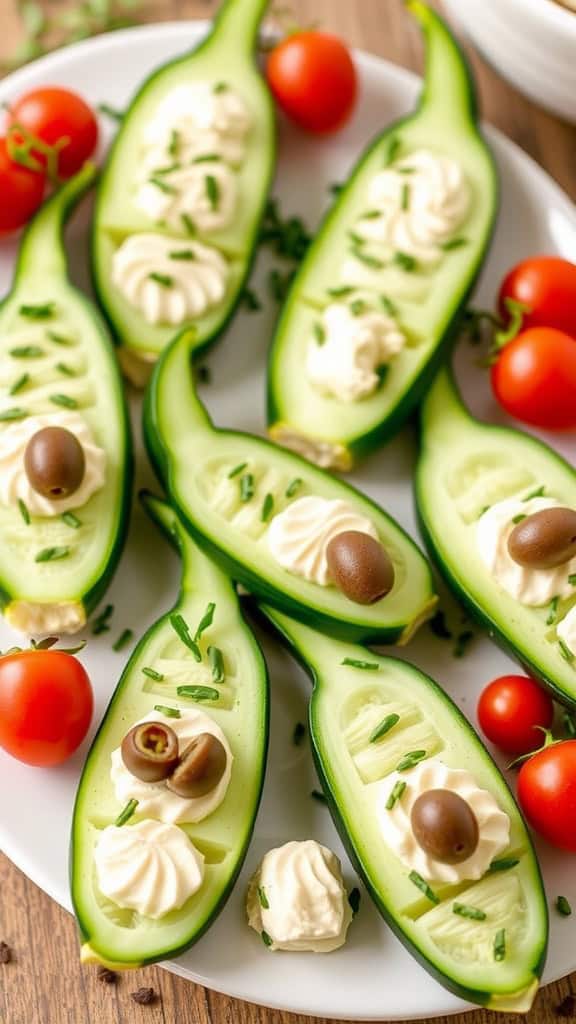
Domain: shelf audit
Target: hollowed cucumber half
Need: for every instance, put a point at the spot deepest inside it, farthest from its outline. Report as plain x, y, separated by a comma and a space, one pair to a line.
225, 59
56, 356
354, 691
237, 701
427, 305
464, 468
227, 487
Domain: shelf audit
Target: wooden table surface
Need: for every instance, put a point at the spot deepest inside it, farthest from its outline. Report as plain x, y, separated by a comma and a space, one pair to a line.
44, 983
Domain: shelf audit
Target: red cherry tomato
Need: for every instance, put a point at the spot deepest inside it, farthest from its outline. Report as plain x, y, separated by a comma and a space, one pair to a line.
510, 710
547, 286
46, 705
547, 794
313, 79
53, 114
534, 378
21, 192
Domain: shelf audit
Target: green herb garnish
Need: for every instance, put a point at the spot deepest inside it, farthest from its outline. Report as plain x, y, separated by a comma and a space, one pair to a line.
293, 487
341, 292
100, 624
65, 370
59, 339
12, 414
411, 760
126, 813
551, 619
41, 312
188, 223
267, 508
538, 493
207, 158
288, 237
370, 261
385, 725
174, 143
71, 520
182, 254
421, 884
246, 487
563, 907
20, 383
180, 627
463, 910
263, 899
357, 307
126, 636
216, 660
503, 864
565, 652
368, 666
198, 693
205, 622
319, 333
26, 352
405, 261
453, 243
220, 87
405, 197
298, 734
316, 794
265, 938
500, 945
52, 554
354, 900
279, 284
388, 306
167, 711
66, 401
396, 794
24, 511
237, 469
164, 186
392, 150
463, 641
250, 301
437, 625
111, 112
371, 215
572, 579
212, 190
166, 170
519, 517
164, 279
158, 677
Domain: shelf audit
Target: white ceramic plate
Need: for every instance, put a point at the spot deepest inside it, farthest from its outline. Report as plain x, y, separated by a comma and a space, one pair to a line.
372, 978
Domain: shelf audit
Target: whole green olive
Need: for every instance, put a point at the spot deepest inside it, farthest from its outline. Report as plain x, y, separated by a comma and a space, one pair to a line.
444, 826
359, 566
544, 540
54, 462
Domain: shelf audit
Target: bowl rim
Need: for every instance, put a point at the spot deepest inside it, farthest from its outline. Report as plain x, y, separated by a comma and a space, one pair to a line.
544, 10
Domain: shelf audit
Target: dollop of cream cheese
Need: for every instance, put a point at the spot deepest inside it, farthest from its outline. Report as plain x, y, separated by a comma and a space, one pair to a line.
396, 826
148, 867
205, 192
415, 206
197, 119
342, 363
14, 483
297, 898
566, 630
168, 290
154, 798
534, 587
298, 536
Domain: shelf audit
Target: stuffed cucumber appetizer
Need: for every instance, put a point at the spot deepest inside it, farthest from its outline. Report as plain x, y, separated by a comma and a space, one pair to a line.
377, 300
168, 797
291, 533
65, 460
427, 819
498, 512
180, 201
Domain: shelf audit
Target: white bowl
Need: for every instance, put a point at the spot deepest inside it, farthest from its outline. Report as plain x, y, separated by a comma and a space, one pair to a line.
532, 43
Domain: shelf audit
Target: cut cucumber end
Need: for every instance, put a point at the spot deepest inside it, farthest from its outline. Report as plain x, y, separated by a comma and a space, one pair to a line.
325, 454
517, 1002
89, 955
62, 617
412, 628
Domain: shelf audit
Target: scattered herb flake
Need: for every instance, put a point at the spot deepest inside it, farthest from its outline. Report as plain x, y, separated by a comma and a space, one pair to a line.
12, 414
422, 884
371, 215
437, 625
370, 261
319, 333
52, 554
205, 622
126, 637
203, 374
165, 710
463, 641
551, 619
65, 370
298, 734
500, 945
385, 725
153, 674
262, 897
538, 493
265, 938
250, 301
405, 197
572, 579
565, 651
164, 279
288, 237
19, 384
237, 469
174, 143
473, 913
216, 660
198, 693
267, 508
65, 401
368, 666
336, 188
188, 223
24, 511
26, 352
316, 794
101, 622
341, 292
453, 243
182, 254
180, 627
164, 186
503, 864
411, 760
357, 307
405, 261
212, 190
354, 900
388, 306
126, 813
40, 312
396, 794
59, 339
111, 112
279, 284
563, 907
519, 517
392, 150
220, 87
293, 487
71, 520
246, 487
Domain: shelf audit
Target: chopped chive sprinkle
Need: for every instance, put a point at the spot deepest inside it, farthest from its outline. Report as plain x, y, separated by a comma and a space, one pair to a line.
167, 170
385, 725
565, 652
463, 641
153, 674
71, 520
246, 487
356, 239
335, 188
538, 493
12, 414
66, 370
354, 900
503, 864
392, 150
405, 261
341, 292
58, 339
405, 170
357, 307
293, 487
174, 142
388, 306
237, 469
316, 794
371, 214
100, 624
181, 629
111, 112
24, 511
182, 254
216, 660
164, 279
437, 625
319, 333
52, 554
221, 87
267, 508
405, 197
279, 284
500, 945
572, 579
206, 158
262, 897
188, 223
453, 243
411, 760
473, 913
519, 517
265, 938
212, 190
26, 352
368, 666
298, 734
126, 813
421, 884
551, 619
563, 907
205, 622
164, 186
169, 712
396, 794
250, 301
126, 636
66, 401
371, 261
19, 384
40, 312
198, 693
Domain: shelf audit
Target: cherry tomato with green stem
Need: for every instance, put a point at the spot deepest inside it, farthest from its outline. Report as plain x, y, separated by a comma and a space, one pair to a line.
546, 287
547, 793
512, 712
21, 191
533, 378
57, 119
314, 81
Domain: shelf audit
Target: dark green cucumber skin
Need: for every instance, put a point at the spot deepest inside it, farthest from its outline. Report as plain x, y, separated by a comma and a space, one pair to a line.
219, 331
470, 995
173, 538
93, 596
409, 401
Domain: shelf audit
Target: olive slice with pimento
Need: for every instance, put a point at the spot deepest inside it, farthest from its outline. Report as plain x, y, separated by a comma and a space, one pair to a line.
201, 767
150, 751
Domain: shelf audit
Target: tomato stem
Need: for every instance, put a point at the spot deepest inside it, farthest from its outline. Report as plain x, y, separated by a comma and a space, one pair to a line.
517, 311
549, 741
23, 147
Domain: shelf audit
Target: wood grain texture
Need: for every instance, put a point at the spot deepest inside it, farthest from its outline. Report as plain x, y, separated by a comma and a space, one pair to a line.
45, 984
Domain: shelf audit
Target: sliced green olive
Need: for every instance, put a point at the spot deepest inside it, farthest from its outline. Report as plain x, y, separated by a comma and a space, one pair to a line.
201, 767
150, 751
544, 540
445, 826
54, 462
359, 566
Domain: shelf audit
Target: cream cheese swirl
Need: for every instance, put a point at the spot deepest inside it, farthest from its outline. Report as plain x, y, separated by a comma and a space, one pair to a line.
298, 536
169, 289
14, 483
148, 867
396, 826
205, 192
154, 798
194, 120
306, 907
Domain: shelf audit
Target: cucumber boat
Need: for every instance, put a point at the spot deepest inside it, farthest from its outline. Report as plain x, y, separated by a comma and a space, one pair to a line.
389, 272
162, 680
